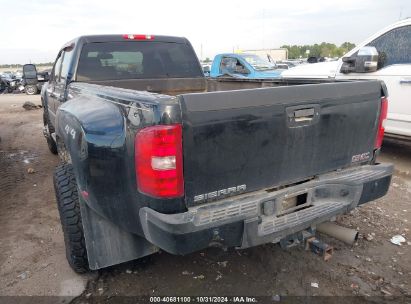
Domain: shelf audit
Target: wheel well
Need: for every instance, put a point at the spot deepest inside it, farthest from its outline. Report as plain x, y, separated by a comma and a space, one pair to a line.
63, 153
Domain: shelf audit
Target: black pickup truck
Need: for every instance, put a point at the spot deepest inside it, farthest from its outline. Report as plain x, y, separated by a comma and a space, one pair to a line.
156, 156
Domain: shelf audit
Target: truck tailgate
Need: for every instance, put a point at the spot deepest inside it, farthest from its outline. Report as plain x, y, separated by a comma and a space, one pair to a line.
248, 140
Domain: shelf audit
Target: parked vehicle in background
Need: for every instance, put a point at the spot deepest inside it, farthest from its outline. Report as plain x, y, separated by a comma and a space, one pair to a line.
272, 55
19, 74
289, 63
206, 69
14, 85
155, 155
32, 80
248, 66
9, 83
7, 75
296, 61
393, 45
282, 66
3, 85
286, 64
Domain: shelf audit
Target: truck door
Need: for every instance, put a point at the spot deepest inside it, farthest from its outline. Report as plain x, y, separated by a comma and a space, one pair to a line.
394, 68
64, 79
51, 88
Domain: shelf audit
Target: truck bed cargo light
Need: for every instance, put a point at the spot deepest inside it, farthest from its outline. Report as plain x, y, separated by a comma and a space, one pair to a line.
138, 37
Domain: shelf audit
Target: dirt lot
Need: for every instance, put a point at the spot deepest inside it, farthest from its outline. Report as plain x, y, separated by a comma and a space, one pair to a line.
32, 250
32, 260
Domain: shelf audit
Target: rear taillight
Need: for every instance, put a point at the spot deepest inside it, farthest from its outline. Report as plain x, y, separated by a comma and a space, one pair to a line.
159, 161
381, 122
138, 37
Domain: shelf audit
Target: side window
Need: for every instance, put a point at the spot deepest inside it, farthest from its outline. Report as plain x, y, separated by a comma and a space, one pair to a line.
228, 65
394, 47
240, 68
56, 69
65, 65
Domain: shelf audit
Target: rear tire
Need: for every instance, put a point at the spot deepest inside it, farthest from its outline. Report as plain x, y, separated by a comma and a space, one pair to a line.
31, 89
49, 129
68, 204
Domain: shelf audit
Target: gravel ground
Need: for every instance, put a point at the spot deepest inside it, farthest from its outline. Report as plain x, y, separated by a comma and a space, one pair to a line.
32, 259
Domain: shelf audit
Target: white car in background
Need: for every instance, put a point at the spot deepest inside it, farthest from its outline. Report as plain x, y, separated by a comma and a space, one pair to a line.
393, 45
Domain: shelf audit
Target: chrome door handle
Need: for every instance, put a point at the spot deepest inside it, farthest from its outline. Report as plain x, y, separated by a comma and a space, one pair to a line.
405, 81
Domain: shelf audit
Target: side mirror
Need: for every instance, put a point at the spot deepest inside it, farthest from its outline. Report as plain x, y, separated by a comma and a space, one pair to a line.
366, 61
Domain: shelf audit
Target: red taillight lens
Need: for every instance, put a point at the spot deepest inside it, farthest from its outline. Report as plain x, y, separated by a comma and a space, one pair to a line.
138, 37
381, 121
159, 161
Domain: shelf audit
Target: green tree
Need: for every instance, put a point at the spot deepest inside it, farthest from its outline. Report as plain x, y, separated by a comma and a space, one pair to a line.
346, 46
324, 49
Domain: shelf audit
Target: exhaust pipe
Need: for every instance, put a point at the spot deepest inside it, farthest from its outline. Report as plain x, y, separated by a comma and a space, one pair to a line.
346, 235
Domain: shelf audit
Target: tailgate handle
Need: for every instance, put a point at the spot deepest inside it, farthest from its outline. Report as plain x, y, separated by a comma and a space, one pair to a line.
304, 115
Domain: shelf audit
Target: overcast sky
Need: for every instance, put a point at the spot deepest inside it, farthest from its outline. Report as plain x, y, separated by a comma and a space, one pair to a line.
35, 30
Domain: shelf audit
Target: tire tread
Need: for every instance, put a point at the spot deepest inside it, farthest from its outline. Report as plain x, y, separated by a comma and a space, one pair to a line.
69, 208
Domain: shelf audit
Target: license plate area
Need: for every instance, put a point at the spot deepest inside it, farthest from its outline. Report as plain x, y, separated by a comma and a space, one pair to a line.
294, 202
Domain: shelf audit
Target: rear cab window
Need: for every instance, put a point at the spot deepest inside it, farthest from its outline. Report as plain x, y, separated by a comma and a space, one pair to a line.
137, 60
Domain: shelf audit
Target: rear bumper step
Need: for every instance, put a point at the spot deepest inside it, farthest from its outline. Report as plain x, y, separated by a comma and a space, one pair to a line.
244, 221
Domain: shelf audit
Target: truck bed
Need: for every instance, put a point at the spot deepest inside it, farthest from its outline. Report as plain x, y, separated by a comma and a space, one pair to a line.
178, 86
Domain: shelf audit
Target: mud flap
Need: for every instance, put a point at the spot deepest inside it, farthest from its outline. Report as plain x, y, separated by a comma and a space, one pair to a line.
107, 244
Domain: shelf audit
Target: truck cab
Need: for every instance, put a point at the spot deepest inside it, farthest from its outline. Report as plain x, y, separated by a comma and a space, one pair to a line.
247, 66
393, 44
